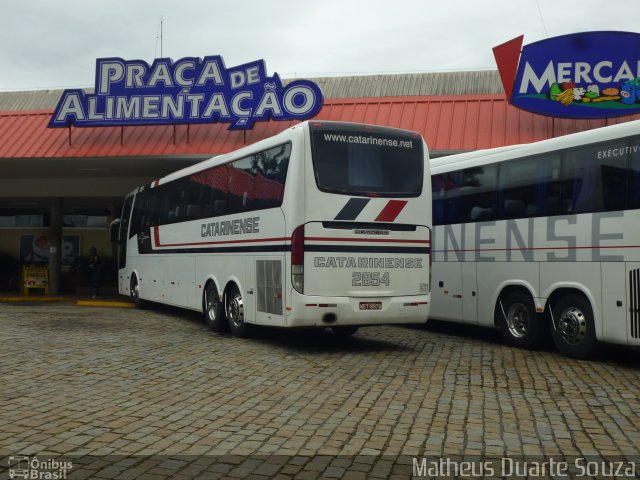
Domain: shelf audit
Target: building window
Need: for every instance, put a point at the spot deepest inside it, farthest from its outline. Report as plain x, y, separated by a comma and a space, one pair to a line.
13, 218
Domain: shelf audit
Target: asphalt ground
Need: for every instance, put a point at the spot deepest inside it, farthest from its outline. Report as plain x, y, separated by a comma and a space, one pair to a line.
120, 393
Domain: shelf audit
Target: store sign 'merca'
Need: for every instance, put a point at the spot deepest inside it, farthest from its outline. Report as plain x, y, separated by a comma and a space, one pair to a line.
582, 75
190, 90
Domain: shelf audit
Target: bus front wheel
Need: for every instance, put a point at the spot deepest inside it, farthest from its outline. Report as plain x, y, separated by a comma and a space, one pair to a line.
212, 308
234, 307
573, 329
518, 320
135, 293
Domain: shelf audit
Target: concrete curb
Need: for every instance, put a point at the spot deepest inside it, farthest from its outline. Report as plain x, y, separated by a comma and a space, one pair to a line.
74, 301
27, 298
103, 303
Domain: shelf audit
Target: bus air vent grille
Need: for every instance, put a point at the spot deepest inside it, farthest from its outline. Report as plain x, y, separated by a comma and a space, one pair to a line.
269, 273
634, 302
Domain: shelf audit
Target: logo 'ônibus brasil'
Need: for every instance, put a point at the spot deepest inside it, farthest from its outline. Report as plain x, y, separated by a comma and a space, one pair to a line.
190, 90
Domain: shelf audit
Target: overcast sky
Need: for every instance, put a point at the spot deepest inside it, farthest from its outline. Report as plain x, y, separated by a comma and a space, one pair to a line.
54, 43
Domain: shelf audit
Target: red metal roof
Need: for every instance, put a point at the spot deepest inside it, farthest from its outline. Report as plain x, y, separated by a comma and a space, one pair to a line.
448, 123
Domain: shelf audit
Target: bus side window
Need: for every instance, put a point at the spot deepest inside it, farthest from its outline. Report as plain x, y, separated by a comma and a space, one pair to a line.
516, 189
219, 208
452, 189
438, 183
143, 212
270, 175
176, 196
474, 199
525, 187
633, 183
241, 182
193, 199
214, 195
549, 196
598, 178
135, 214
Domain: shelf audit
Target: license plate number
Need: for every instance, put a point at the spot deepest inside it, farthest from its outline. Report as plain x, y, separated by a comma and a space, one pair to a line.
370, 305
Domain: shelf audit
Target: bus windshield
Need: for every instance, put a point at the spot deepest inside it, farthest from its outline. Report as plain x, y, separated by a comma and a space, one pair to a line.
378, 162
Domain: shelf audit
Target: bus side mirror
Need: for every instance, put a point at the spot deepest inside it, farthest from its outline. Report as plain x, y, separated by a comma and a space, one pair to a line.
114, 231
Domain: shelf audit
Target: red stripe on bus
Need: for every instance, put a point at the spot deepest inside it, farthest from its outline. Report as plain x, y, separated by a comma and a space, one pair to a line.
156, 234
534, 248
391, 211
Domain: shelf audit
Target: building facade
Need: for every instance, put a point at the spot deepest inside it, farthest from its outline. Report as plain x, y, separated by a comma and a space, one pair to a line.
60, 188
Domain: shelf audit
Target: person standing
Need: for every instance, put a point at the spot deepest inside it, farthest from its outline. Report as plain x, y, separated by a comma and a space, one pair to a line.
95, 266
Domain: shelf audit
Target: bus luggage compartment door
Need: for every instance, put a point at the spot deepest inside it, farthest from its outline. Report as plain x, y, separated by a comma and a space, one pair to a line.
365, 260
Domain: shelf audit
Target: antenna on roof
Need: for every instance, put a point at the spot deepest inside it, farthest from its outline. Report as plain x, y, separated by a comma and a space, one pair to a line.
544, 26
159, 39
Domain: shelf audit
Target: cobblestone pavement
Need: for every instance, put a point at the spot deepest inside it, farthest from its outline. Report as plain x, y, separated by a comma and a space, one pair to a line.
123, 393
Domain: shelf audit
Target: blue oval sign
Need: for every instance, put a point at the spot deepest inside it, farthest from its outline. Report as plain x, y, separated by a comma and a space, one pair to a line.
582, 75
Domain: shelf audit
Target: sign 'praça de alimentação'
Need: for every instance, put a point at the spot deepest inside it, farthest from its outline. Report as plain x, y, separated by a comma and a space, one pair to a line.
190, 90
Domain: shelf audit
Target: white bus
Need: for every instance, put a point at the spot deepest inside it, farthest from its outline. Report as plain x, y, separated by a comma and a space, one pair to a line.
322, 225
542, 239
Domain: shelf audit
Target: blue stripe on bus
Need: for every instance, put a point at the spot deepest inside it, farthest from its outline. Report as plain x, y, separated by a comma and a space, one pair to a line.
352, 209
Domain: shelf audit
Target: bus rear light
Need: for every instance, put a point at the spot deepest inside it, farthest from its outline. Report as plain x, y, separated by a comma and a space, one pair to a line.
297, 246
297, 259
430, 259
415, 304
297, 279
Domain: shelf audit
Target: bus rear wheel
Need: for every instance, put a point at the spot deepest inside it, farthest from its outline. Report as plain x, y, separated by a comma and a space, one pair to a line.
212, 308
234, 307
573, 329
518, 320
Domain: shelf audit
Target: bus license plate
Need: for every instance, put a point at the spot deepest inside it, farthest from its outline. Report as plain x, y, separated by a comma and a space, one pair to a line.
370, 305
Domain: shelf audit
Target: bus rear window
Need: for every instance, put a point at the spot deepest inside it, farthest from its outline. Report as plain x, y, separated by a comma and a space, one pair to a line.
382, 162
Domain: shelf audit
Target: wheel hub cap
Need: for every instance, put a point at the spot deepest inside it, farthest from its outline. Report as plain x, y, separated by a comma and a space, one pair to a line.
211, 307
234, 311
518, 320
572, 325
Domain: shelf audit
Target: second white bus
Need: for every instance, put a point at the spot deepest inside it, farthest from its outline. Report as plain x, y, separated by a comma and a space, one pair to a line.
322, 225
542, 238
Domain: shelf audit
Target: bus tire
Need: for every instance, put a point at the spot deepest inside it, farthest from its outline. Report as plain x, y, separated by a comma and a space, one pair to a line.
135, 293
573, 330
518, 321
212, 308
234, 308
343, 331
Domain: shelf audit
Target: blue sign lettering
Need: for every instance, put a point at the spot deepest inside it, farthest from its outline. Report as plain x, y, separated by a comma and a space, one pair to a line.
190, 90
583, 75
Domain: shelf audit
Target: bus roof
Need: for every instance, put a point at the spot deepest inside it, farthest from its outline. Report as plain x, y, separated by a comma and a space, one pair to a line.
494, 155
249, 149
